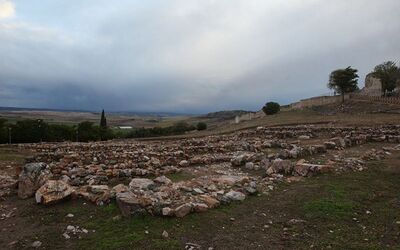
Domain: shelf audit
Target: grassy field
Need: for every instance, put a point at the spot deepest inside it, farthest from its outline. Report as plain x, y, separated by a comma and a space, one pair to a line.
72, 118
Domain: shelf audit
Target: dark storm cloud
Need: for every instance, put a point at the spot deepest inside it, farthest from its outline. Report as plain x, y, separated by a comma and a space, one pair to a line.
186, 55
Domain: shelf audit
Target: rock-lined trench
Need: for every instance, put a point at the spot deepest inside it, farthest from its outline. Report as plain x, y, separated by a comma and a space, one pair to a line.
222, 168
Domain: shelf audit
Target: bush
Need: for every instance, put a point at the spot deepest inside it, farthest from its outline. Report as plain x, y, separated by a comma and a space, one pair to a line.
88, 132
60, 132
271, 108
3, 131
201, 126
181, 127
29, 131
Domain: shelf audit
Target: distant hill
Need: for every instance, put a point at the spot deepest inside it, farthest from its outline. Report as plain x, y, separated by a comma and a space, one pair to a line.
123, 113
226, 115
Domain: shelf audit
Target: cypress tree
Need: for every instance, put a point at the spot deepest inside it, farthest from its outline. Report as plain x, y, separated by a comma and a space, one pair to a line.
103, 126
103, 120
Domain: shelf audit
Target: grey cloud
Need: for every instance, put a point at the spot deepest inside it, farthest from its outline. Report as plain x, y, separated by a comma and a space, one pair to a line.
188, 56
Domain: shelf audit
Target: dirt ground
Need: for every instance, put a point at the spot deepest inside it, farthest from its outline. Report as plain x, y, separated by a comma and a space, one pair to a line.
354, 210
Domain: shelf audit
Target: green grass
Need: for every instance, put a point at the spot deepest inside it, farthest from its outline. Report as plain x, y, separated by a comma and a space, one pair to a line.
179, 176
324, 208
335, 203
7, 155
114, 232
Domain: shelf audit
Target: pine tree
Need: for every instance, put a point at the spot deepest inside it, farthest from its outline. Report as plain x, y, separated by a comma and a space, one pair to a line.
343, 81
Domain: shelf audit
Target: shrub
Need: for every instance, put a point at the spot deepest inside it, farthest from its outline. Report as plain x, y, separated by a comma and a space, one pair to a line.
88, 132
271, 108
201, 126
3, 130
181, 127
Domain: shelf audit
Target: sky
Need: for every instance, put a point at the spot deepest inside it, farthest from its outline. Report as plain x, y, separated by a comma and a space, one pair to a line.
187, 56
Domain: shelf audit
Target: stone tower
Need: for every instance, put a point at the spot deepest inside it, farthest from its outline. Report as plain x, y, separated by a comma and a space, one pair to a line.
373, 86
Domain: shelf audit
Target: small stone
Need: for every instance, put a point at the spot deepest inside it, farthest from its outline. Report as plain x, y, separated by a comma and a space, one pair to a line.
52, 192
198, 191
296, 221
209, 201
165, 234
249, 165
183, 210
166, 211
192, 246
163, 180
69, 215
117, 218
141, 183
200, 207
36, 244
66, 236
235, 196
128, 203
184, 163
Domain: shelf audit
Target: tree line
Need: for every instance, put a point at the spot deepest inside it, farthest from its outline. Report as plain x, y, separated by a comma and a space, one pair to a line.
34, 131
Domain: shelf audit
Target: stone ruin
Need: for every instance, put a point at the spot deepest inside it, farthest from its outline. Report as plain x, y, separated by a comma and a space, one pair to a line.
139, 176
373, 86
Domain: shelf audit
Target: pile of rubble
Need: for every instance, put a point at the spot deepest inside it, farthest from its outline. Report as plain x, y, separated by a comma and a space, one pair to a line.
233, 166
159, 196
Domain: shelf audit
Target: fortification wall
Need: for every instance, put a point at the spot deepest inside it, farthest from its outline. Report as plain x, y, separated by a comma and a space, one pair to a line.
249, 116
318, 101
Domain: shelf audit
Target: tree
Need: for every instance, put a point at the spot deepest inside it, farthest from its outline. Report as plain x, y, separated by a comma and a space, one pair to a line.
88, 132
389, 74
343, 81
181, 127
271, 108
103, 120
29, 131
3, 131
201, 126
103, 126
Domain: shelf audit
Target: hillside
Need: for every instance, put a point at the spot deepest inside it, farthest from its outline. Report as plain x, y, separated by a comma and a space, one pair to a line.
227, 114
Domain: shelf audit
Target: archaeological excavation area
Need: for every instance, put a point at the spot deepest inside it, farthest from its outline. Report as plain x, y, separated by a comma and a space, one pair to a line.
176, 177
